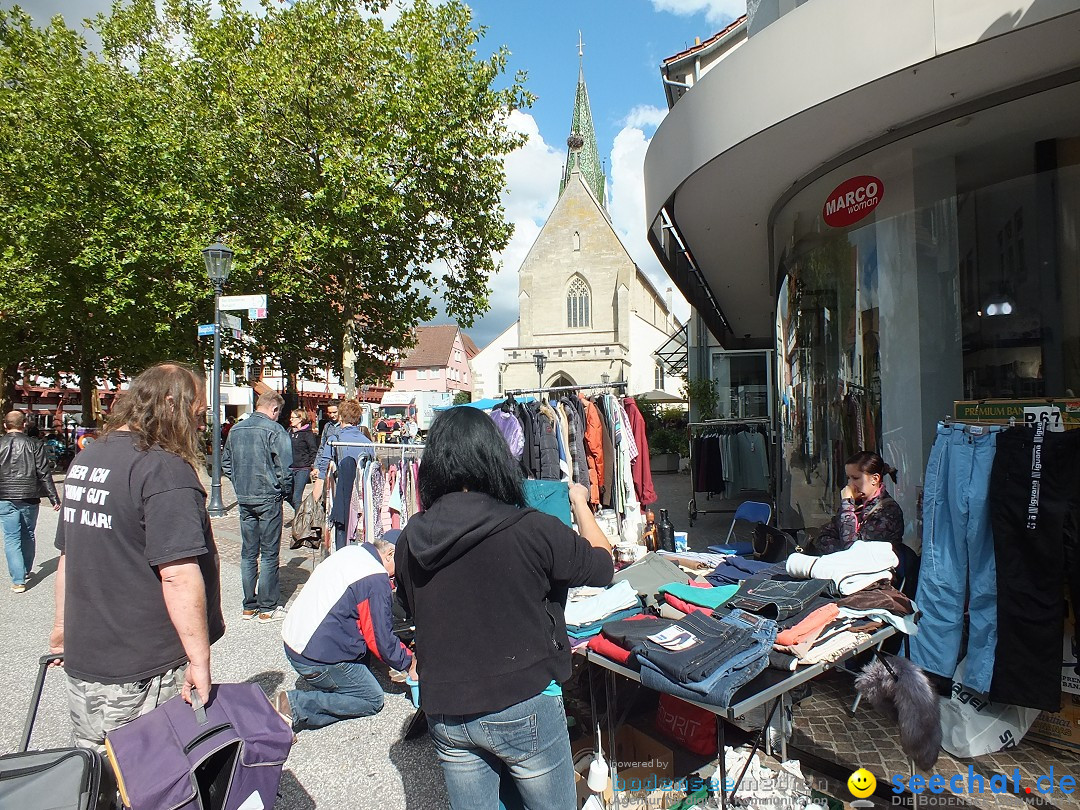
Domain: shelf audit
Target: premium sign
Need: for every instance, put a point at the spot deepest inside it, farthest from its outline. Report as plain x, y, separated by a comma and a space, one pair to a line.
852, 200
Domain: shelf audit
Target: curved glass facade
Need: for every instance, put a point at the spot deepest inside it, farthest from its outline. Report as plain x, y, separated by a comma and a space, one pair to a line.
962, 284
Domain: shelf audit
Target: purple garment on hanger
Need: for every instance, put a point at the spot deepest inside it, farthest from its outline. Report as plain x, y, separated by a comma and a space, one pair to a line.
510, 428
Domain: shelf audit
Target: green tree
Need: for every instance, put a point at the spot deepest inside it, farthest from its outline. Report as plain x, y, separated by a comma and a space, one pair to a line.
355, 169
462, 398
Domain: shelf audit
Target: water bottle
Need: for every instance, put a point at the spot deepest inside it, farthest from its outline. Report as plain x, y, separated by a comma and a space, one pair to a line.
666, 532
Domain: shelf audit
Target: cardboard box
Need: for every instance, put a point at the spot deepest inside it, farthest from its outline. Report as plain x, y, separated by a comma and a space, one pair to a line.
1059, 729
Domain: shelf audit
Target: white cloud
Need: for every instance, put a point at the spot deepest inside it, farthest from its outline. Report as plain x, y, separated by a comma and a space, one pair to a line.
627, 202
716, 11
645, 115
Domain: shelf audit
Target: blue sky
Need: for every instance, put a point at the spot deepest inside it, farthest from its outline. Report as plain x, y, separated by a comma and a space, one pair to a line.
625, 42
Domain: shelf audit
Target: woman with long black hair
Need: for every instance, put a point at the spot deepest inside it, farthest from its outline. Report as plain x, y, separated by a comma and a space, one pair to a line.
486, 580
867, 510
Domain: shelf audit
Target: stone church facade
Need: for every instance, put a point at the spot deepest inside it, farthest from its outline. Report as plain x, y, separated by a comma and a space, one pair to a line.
582, 301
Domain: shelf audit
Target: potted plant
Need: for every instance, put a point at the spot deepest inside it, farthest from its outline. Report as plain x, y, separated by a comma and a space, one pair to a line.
666, 445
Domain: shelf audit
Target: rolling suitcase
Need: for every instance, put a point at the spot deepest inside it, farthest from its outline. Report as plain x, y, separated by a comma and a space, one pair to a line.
55, 779
227, 755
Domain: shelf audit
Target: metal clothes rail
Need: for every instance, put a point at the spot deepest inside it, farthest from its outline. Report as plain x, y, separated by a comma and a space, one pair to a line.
692, 509
518, 391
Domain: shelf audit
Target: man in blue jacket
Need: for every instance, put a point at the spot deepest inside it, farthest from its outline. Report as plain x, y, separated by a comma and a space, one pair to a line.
342, 616
258, 460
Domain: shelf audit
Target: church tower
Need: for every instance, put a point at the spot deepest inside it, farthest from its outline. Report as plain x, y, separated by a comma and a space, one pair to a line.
584, 156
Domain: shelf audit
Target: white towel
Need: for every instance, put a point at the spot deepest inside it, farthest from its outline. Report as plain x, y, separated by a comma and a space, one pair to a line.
850, 570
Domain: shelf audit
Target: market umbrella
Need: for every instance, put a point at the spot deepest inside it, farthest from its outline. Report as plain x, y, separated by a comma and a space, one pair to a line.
660, 396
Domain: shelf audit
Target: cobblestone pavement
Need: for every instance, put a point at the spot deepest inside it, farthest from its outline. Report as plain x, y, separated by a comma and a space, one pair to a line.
352, 765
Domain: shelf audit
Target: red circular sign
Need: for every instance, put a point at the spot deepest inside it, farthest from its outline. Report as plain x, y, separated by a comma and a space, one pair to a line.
852, 200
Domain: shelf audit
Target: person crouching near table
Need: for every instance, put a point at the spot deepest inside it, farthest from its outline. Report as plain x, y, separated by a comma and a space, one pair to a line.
485, 580
343, 614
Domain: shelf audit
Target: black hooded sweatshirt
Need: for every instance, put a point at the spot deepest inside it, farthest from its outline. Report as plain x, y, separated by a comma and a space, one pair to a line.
486, 583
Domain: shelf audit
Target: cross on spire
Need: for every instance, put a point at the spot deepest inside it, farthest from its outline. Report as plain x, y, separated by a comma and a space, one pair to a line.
580, 45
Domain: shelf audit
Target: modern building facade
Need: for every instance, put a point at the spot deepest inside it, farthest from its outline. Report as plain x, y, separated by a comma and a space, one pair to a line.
583, 302
885, 196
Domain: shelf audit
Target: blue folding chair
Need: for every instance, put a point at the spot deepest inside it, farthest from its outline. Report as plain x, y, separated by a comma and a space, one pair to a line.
752, 512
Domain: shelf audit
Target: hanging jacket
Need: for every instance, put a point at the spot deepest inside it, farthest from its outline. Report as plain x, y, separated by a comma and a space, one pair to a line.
576, 438
640, 467
547, 443
594, 449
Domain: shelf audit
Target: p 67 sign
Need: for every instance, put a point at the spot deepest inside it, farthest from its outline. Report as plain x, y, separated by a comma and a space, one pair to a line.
852, 200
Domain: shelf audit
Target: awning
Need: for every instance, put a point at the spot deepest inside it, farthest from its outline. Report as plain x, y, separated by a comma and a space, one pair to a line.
659, 396
398, 398
672, 354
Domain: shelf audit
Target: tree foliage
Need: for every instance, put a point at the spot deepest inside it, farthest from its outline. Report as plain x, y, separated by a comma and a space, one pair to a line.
355, 168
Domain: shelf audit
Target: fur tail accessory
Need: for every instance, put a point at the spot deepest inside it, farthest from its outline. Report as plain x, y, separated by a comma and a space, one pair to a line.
901, 691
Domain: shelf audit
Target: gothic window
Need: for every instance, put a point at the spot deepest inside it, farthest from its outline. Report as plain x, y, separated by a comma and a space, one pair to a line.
578, 315
577, 240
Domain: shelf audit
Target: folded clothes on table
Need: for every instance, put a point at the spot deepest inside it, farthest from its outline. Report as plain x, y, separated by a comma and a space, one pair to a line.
905, 624
620, 651
776, 598
593, 628
710, 597
810, 627
619, 596
721, 655
683, 606
648, 574
734, 570
850, 570
694, 559
880, 595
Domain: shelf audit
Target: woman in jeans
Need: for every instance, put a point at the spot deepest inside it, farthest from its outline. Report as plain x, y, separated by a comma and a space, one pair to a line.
304, 448
486, 579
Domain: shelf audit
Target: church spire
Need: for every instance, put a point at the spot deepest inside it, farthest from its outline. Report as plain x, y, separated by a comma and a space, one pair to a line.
584, 157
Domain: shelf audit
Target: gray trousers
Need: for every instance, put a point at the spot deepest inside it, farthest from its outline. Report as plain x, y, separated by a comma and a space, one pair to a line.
98, 708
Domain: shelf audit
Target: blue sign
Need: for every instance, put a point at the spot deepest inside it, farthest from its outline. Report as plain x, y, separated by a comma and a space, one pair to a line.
206, 329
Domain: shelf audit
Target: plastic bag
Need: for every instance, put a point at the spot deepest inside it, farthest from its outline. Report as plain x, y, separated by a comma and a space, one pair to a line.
973, 725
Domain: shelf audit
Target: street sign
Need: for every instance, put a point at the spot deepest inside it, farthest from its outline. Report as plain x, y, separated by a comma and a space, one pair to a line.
257, 313
206, 329
230, 321
242, 302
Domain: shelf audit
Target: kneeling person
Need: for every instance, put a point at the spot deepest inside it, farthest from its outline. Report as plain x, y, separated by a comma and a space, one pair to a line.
343, 614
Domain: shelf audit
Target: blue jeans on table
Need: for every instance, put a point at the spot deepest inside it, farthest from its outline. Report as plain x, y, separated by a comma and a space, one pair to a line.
260, 530
338, 692
958, 564
750, 644
17, 520
300, 480
530, 737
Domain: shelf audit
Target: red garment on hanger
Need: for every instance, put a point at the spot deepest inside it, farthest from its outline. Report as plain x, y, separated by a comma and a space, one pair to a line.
594, 449
640, 467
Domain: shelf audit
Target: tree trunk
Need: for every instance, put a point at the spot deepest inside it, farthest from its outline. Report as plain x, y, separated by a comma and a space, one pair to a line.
87, 384
8, 375
292, 393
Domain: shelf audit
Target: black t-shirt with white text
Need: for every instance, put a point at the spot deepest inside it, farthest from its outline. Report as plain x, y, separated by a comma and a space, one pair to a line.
124, 513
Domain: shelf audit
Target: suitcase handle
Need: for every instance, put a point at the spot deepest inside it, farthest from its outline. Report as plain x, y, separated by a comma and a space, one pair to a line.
43, 665
197, 705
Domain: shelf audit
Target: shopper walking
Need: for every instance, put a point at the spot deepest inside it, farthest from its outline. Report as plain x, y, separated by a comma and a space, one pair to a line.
137, 583
304, 448
490, 668
25, 478
258, 461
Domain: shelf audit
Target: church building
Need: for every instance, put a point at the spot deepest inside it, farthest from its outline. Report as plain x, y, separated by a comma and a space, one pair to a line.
583, 303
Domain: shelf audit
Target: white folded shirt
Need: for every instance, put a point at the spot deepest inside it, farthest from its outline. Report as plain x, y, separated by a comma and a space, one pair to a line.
850, 570
619, 596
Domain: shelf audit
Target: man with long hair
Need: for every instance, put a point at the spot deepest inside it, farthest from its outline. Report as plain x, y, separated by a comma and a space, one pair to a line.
137, 584
258, 460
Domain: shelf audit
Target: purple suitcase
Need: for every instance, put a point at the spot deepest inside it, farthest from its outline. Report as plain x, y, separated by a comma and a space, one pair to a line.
227, 756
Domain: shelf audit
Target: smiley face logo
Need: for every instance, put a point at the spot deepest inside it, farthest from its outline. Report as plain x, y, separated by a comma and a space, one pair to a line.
861, 783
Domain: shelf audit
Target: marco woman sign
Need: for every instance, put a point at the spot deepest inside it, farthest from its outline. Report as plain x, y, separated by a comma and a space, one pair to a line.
852, 200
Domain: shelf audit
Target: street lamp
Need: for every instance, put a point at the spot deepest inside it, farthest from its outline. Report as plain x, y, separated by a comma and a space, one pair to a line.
605, 378
540, 359
218, 259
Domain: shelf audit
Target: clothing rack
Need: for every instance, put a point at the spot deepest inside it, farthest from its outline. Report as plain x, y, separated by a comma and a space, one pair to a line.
693, 428
518, 391
950, 419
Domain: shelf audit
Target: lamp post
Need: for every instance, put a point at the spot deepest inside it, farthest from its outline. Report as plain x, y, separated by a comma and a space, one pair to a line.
540, 359
605, 378
218, 260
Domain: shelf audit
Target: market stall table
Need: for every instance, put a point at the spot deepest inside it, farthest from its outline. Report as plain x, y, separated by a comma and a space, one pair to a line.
771, 686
